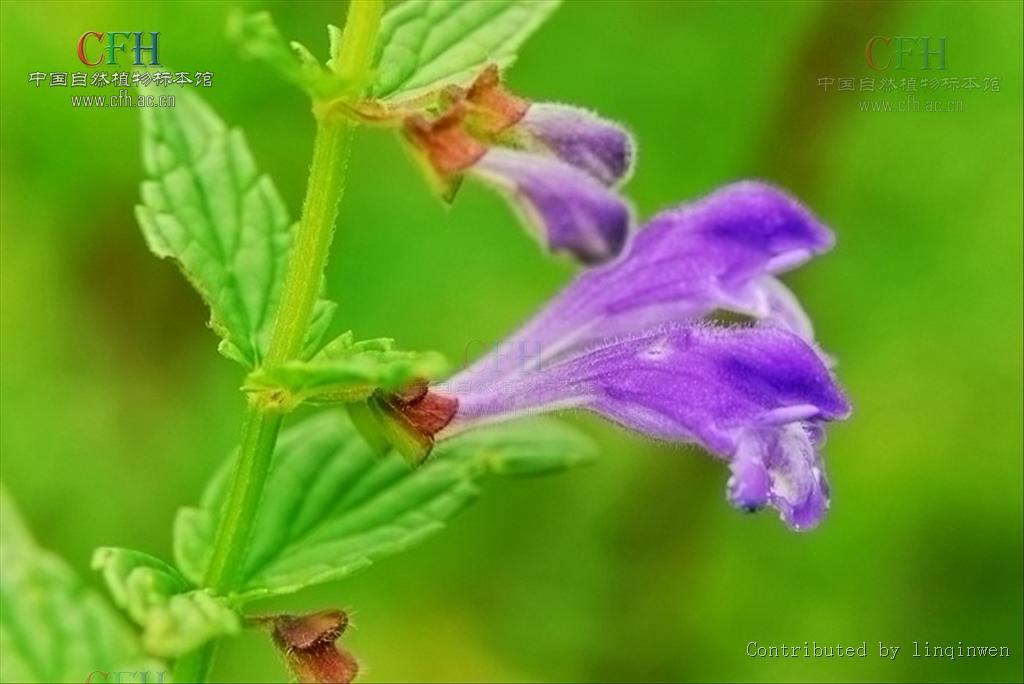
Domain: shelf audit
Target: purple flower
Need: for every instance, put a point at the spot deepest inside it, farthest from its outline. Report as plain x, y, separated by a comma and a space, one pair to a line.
555, 164
683, 382
626, 341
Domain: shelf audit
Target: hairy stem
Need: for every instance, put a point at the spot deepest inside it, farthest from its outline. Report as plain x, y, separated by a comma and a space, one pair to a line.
259, 435
301, 290
312, 239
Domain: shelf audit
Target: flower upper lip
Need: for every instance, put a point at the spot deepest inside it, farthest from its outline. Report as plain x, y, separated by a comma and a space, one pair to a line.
718, 252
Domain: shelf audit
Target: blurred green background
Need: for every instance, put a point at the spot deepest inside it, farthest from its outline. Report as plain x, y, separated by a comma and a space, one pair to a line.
116, 408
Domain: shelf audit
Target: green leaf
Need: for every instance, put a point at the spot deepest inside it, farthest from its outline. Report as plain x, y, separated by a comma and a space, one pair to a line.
175, 619
364, 421
53, 628
345, 371
257, 37
425, 45
332, 507
207, 206
334, 35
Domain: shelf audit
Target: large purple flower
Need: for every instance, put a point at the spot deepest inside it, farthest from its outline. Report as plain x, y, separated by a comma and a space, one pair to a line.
625, 341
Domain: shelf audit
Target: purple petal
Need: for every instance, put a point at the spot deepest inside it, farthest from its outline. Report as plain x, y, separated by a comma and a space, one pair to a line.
571, 211
768, 299
750, 484
603, 149
719, 252
781, 466
755, 396
681, 382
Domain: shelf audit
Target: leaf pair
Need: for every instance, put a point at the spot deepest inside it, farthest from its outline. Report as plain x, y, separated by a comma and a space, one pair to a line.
423, 46
332, 506
343, 371
53, 628
207, 206
175, 618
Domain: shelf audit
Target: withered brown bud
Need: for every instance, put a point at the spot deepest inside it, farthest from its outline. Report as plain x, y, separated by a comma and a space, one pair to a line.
307, 643
445, 142
493, 108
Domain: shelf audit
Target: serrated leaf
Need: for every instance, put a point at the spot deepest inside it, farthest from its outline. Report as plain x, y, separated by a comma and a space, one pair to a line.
346, 371
334, 36
53, 628
332, 507
425, 45
175, 618
207, 206
257, 37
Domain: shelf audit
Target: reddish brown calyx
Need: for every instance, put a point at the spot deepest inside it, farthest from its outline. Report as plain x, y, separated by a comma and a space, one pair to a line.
424, 411
307, 644
407, 420
493, 108
470, 121
448, 148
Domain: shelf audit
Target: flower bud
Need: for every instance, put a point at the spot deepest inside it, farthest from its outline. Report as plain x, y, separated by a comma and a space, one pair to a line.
307, 644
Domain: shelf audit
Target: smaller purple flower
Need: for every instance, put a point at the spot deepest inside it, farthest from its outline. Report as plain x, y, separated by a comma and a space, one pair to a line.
605, 150
601, 148
574, 212
556, 164
565, 207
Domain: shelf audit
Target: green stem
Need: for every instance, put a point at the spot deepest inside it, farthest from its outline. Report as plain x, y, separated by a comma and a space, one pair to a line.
357, 43
259, 435
324, 189
312, 239
301, 290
